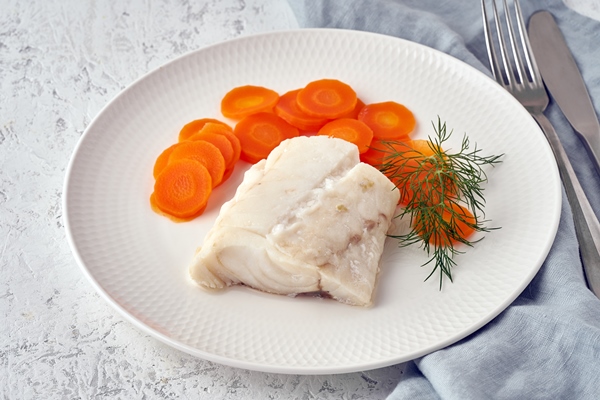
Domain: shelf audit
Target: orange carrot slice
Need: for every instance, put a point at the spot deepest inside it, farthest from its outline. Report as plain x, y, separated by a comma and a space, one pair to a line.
205, 153
226, 131
162, 160
381, 151
388, 120
418, 150
351, 130
225, 147
246, 100
354, 113
260, 133
182, 189
414, 171
194, 126
220, 141
457, 223
326, 98
287, 108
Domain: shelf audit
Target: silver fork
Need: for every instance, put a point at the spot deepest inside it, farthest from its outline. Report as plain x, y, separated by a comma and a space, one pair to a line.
528, 88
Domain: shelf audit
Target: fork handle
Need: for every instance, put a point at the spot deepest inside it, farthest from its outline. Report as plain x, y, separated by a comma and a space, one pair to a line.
587, 226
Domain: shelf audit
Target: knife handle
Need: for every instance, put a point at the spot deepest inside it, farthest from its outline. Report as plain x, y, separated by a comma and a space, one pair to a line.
587, 226
591, 140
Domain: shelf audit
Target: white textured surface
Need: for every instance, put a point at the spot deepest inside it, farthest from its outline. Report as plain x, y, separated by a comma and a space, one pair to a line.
60, 62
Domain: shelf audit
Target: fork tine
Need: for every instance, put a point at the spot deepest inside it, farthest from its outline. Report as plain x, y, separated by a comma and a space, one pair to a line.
522, 63
494, 66
508, 70
536, 77
520, 67
503, 73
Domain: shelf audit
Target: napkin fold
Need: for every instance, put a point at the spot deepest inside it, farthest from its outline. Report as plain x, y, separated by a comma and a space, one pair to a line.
546, 345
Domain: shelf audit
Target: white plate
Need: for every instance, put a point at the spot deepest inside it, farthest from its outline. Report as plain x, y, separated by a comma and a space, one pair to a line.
138, 260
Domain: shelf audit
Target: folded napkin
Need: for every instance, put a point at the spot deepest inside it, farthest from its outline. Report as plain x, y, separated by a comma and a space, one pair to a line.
546, 345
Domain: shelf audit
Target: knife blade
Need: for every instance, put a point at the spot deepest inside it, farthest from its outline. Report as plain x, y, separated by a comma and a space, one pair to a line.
564, 81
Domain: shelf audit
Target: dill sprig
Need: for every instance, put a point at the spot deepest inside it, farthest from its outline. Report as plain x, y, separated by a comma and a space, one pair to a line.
433, 186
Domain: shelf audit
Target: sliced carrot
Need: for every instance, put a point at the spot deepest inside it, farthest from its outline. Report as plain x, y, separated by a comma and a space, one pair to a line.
456, 224
205, 153
419, 149
237, 152
194, 126
422, 155
417, 170
374, 154
215, 128
182, 189
354, 113
162, 160
246, 100
287, 108
226, 131
224, 146
351, 130
220, 141
260, 133
388, 120
326, 98
157, 210
408, 168
380, 152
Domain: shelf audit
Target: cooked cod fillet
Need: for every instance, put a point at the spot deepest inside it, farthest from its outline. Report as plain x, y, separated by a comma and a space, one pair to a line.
309, 218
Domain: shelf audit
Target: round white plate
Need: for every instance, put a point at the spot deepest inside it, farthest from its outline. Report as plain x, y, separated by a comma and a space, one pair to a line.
138, 260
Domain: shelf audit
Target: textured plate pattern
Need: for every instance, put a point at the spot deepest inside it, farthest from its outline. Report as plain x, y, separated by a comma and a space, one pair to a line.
138, 260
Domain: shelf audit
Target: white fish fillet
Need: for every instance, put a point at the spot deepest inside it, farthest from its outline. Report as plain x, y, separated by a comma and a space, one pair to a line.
309, 218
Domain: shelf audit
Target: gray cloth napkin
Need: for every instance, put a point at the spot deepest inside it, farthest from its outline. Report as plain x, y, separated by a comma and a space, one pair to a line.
546, 345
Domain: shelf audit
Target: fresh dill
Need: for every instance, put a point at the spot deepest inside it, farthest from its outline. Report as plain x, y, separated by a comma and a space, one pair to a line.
436, 187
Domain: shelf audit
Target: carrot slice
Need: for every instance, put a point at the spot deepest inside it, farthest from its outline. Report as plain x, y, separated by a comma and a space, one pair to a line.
402, 162
414, 169
157, 210
326, 98
162, 160
381, 152
388, 120
357, 108
287, 108
246, 100
182, 189
194, 126
260, 133
226, 131
374, 154
456, 223
220, 141
225, 147
205, 153
351, 130
418, 150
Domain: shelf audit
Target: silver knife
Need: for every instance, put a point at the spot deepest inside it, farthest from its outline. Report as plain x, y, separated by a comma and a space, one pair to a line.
564, 81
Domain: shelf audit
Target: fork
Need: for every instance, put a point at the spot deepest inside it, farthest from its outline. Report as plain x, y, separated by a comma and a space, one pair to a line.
528, 88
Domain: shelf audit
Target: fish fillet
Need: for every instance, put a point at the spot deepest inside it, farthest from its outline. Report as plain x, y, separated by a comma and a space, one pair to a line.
309, 218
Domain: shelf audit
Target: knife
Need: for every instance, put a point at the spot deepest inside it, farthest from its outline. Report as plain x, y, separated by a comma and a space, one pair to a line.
564, 81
